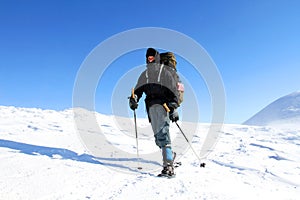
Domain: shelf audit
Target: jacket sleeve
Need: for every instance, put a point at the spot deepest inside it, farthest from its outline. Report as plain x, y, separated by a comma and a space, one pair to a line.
140, 86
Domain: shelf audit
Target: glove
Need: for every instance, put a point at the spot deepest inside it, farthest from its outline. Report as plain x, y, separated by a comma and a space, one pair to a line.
173, 115
173, 105
133, 104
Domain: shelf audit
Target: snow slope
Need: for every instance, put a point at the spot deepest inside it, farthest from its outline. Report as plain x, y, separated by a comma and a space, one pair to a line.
285, 110
42, 157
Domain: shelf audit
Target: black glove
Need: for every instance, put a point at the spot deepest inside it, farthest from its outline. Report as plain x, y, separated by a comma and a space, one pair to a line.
173, 115
173, 105
133, 104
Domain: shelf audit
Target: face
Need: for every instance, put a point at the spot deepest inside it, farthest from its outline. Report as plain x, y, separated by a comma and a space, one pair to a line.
151, 58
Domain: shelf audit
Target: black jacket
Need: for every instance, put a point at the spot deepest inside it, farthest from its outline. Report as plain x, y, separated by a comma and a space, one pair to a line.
159, 85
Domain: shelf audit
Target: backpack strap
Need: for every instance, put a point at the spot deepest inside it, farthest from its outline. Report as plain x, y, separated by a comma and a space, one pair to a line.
147, 78
159, 74
161, 68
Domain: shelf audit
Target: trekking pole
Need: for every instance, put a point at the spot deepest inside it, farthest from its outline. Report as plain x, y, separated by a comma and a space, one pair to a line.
136, 135
201, 164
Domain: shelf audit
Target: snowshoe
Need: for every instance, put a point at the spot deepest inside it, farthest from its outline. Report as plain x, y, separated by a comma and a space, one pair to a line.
168, 171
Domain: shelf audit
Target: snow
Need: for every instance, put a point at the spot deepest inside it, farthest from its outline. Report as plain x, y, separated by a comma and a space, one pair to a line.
42, 157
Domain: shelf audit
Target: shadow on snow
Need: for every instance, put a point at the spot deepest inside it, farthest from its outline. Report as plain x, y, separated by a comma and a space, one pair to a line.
66, 154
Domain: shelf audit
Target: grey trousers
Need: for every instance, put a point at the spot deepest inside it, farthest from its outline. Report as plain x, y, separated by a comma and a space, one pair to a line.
160, 123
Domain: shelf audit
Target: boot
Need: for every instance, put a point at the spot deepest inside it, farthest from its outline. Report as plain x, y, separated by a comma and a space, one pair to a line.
168, 159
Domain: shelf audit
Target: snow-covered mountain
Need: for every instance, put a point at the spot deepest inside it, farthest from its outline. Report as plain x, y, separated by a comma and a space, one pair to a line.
42, 157
285, 110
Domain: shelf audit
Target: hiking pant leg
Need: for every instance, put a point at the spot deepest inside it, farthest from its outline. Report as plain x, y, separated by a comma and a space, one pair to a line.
160, 123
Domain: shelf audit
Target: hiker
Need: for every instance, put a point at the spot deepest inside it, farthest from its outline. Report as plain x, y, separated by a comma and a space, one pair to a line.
160, 87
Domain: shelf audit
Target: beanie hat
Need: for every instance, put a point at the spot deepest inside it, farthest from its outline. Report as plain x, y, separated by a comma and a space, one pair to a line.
151, 52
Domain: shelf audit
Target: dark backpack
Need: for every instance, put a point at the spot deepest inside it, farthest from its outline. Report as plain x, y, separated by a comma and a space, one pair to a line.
169, 59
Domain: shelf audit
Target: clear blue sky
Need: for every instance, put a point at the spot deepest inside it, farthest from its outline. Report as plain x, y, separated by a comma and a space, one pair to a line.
255, 45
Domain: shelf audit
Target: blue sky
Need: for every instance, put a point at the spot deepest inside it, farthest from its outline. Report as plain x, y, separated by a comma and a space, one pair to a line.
255, 45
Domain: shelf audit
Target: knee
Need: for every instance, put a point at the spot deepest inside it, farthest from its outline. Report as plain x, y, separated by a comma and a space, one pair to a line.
162, 140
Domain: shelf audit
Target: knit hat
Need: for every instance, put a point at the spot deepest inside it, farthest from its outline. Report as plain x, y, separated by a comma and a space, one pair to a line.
151, 52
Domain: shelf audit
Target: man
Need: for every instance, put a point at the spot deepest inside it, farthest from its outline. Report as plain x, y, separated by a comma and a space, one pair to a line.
160, 88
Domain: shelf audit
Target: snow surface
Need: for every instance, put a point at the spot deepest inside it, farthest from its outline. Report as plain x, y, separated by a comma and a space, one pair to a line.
42, 157
285, 110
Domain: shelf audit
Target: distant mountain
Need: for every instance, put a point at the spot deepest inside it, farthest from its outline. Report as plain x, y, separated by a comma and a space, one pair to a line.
285, 110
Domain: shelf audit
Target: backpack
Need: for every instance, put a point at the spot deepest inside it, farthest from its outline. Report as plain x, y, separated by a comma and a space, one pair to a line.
169, 59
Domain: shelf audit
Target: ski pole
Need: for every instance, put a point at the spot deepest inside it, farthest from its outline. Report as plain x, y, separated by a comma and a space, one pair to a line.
201, 164
136, 135
187, 140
